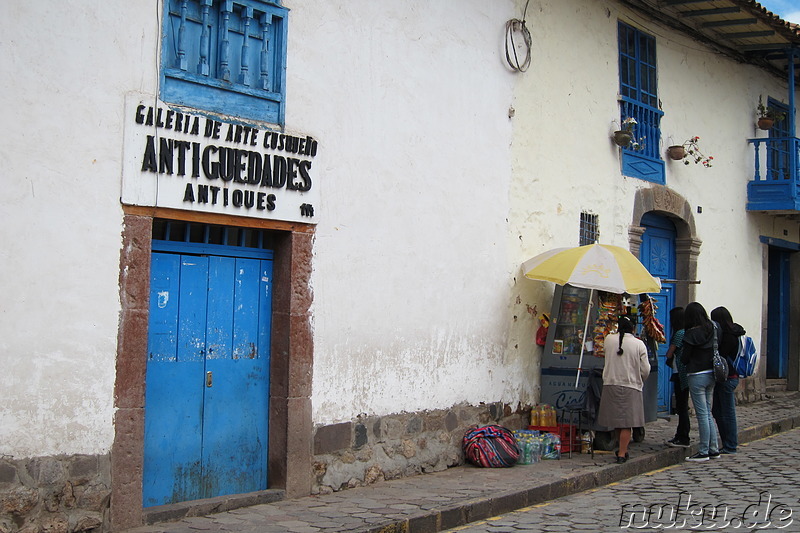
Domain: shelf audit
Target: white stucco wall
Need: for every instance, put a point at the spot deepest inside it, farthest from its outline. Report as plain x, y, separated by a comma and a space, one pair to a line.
410, 268
65, 68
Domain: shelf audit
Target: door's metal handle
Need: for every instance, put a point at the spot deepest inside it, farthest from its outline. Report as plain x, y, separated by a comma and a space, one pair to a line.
209, 379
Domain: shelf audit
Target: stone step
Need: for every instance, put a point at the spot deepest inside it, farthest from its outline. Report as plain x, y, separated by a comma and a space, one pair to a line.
776, 385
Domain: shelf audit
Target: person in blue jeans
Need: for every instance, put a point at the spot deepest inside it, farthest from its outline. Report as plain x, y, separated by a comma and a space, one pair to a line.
698, 352
724, 407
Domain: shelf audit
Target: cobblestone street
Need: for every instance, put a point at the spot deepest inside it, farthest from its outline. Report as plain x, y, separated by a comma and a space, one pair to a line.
757, 489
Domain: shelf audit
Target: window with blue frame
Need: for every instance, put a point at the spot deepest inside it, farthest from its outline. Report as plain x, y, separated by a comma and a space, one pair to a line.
778, 149
226, 56
638, 94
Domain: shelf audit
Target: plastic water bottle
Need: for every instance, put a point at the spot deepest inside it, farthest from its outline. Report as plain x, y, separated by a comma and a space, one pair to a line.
536, 449
527, 451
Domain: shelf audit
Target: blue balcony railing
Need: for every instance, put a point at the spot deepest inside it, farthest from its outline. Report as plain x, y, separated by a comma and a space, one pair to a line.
646, 162
776, 179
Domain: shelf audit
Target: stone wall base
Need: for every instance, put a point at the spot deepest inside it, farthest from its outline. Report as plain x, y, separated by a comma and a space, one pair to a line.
60, 494
750, 390
369, 449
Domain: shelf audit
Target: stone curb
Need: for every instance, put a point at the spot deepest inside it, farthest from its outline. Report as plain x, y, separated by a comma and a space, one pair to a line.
175, 512
483, 508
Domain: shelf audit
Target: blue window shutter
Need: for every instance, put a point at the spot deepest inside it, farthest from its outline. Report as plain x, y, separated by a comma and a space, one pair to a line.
226, 56
638, 88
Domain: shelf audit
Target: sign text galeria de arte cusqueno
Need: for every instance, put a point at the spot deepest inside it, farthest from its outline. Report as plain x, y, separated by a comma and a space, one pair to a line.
186, 161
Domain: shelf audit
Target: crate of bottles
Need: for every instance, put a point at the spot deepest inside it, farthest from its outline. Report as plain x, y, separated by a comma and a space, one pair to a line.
543, 416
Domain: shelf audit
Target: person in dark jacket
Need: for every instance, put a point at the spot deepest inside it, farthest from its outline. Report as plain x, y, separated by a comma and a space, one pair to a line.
724, 407
698, 352
679, 379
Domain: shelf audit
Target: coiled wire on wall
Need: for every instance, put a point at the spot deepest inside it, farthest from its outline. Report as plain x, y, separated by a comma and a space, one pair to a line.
514, 26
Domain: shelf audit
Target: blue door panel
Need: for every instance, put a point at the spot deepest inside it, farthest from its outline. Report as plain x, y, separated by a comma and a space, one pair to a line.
173, 419
207, 397
173, 399
663, 301
162, 340
236, 425
658, 255
220, 308
192, 311
246, 299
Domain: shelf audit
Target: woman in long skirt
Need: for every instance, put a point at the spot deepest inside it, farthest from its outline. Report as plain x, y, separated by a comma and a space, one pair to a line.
625, 371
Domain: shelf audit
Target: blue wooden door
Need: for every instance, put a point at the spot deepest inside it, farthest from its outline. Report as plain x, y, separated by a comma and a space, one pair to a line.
207, 391
658, 256
778, 313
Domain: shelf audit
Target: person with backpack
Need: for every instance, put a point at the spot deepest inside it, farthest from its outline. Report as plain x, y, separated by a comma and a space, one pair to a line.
698, 354
679, 379
625, 370
724, 406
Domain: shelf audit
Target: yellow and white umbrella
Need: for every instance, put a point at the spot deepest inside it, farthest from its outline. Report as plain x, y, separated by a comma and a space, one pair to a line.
600, 267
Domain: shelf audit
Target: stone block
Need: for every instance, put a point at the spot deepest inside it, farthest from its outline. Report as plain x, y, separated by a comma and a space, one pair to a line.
18, 501
82, 469
328, 439
67, 497
391, 428
376, 430
408, 448
94, 498
453, 517
8, 472
450, 421
373, 474
423, 524
55, 524
414, 425
360, 436
47, 471
87, 522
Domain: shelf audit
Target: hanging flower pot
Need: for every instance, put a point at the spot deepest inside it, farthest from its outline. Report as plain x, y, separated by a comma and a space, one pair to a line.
676, 153
623, 137
765, 123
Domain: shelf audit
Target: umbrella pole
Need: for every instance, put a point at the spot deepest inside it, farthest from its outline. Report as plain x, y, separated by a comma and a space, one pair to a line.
583, 341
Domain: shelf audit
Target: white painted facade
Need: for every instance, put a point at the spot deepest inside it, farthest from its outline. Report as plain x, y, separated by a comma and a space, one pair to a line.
431, 195
566, 109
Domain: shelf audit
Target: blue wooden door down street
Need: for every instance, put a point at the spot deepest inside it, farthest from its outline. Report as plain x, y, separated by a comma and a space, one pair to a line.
207, 390
778, 313
658, 256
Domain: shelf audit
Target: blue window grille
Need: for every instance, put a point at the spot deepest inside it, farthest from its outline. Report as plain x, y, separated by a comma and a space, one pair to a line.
226, 57
204, 239
638, 88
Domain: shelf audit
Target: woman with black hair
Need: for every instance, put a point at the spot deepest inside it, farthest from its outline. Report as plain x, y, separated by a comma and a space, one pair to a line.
724, 407
626, 368
679, 379
698, 353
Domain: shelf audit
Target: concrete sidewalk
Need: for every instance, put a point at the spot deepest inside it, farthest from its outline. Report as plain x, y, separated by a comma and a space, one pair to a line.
457, 496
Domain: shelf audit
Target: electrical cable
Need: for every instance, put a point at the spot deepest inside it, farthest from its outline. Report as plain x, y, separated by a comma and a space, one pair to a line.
518, 26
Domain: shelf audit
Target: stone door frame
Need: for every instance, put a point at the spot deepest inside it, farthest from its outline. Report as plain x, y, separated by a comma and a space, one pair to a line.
291, 365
